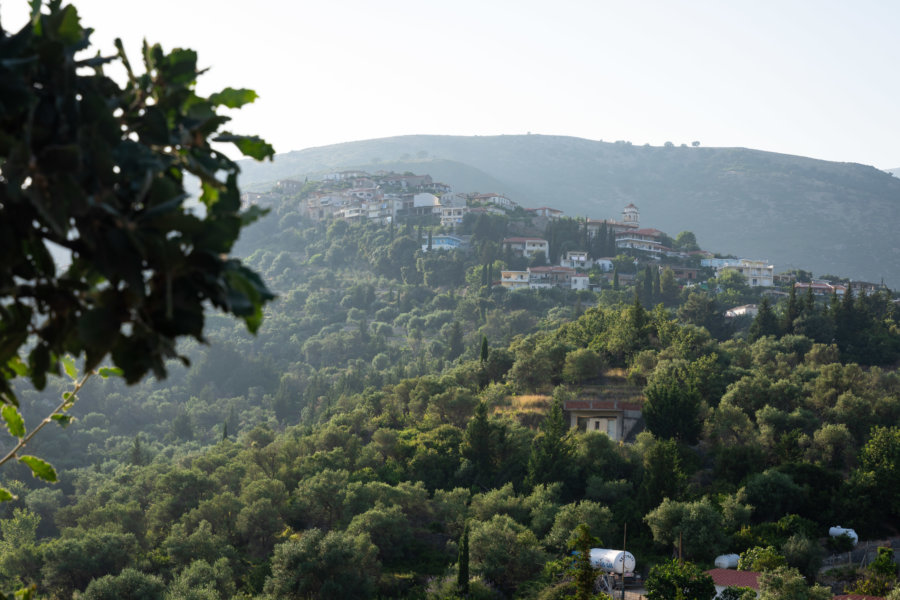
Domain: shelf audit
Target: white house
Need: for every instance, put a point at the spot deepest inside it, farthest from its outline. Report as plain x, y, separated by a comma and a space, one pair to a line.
526, 246
576, 259
747, 310
758, 273
514, 280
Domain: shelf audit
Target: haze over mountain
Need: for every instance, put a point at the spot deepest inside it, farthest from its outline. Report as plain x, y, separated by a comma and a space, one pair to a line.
797, 212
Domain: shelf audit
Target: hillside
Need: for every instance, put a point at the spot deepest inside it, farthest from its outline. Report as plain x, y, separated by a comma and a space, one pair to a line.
797, 212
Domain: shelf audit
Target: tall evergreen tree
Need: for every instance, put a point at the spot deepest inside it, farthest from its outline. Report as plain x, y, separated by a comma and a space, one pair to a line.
462, 574
484, 348
791, 312
455, 341
136, 455
551, 450
668, 287
765, 323
585, 573
809, 301
845, 322
647, 298
657, 292
478, 447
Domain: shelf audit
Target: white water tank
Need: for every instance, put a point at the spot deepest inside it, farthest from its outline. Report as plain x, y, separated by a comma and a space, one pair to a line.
727, 561
612, 561
839, 531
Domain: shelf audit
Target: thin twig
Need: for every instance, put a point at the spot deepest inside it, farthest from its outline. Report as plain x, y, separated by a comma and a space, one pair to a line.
66, 401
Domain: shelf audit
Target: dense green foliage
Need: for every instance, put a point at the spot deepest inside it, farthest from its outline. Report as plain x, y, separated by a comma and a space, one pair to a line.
398, 428
349, 429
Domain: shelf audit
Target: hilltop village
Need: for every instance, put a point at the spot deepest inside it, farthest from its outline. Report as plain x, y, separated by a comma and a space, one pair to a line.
585, 260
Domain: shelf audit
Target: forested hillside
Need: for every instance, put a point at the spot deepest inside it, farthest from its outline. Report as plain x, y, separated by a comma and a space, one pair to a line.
395, 398
793, 211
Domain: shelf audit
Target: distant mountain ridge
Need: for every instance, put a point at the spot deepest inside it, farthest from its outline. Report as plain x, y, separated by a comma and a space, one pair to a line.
797, 212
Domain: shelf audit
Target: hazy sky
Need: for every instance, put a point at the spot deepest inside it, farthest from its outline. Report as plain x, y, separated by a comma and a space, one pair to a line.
815, 78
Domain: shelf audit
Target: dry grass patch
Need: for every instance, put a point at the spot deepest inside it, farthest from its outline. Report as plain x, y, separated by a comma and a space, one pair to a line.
528, 410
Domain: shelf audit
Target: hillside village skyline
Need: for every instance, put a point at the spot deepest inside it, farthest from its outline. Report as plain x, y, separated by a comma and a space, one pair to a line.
388, 197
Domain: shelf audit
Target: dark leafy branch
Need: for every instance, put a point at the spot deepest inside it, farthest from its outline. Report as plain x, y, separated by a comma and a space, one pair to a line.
98, 168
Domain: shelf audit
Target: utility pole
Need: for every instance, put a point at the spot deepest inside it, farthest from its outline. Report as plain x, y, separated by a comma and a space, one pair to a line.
624, 539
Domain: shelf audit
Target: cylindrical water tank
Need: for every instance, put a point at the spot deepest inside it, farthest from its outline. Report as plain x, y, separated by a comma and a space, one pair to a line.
612, 561
727, 561
838, 531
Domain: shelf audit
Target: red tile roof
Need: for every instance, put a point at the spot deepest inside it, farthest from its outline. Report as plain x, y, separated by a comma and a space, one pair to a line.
727, 577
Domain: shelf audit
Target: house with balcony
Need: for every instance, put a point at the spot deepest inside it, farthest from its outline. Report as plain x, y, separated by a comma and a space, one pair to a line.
758, 273
565, 278
646, 240
452, 216
526, 246
326, 205
576, 259
820, 288
514, 280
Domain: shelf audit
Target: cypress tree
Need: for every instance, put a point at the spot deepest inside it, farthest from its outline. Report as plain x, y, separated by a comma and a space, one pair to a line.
844, 321
657, 293
429, 240
462, 575
455, 341
616, 278
550, 451
809, 301
791, 312
603, 234
136, 455
610, 243
484, 348
648, 286
765, 323
585, 573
